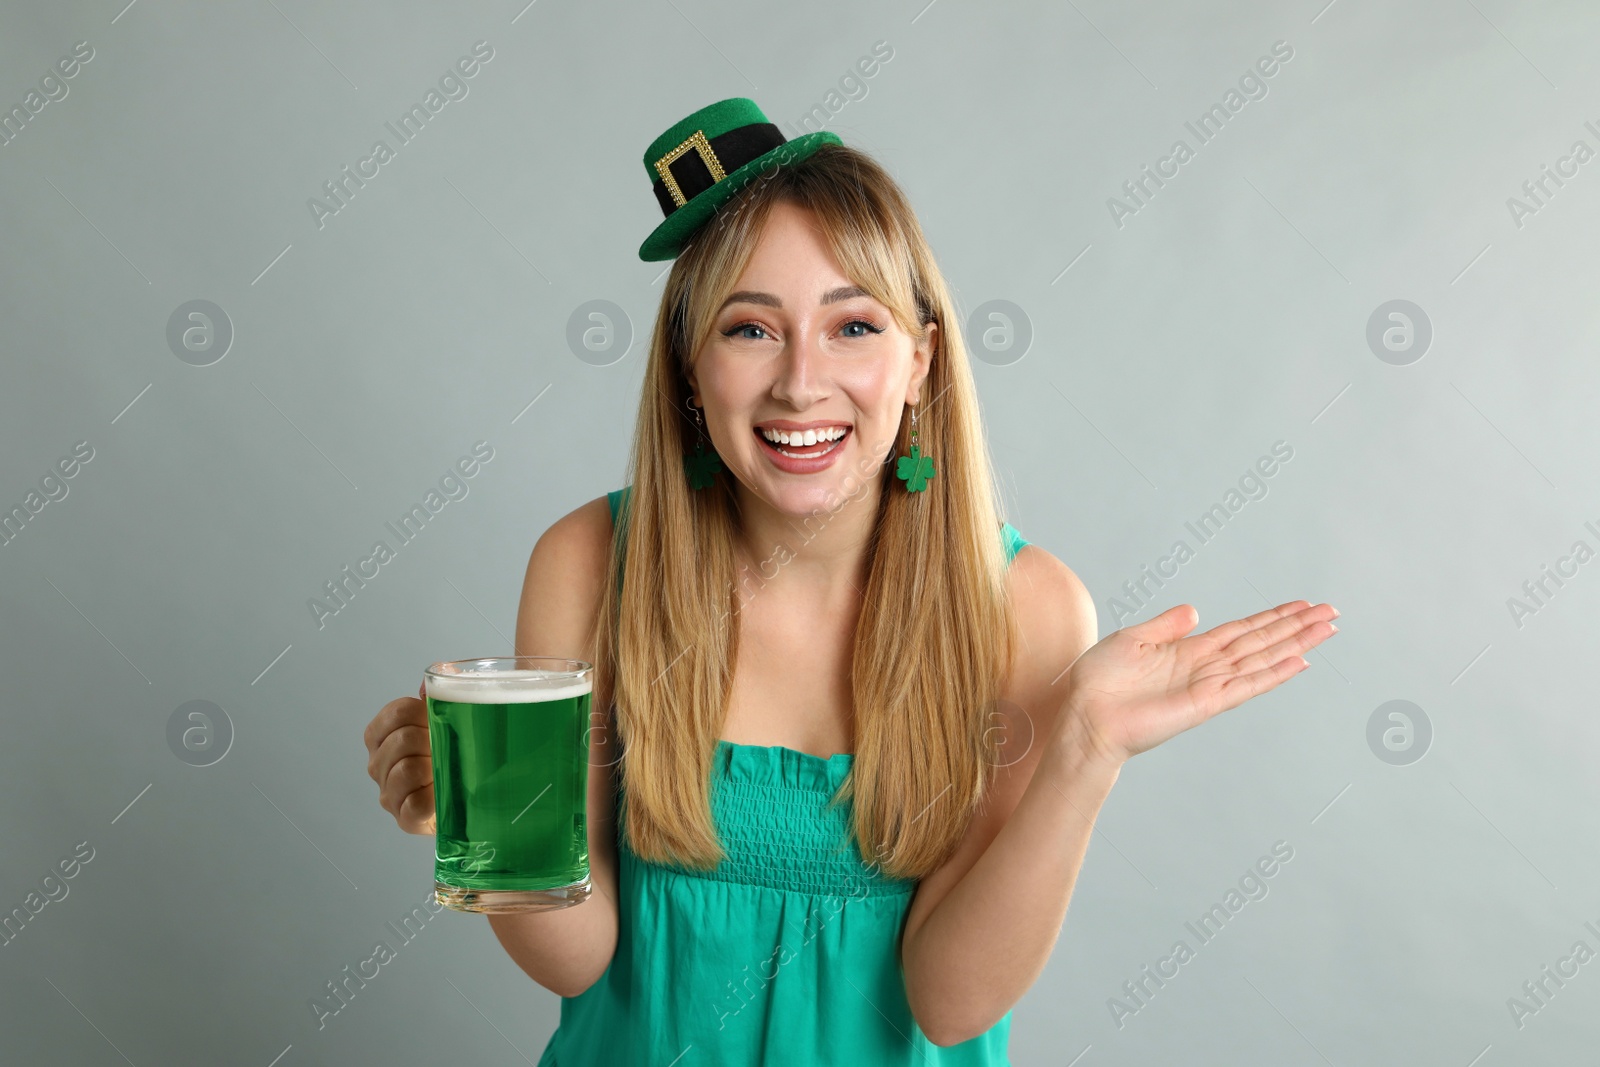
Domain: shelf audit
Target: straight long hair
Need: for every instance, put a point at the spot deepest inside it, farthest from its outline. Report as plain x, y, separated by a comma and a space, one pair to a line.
934, 638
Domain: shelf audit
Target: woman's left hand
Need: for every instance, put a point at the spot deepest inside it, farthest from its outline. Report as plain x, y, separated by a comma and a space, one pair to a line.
1148, 682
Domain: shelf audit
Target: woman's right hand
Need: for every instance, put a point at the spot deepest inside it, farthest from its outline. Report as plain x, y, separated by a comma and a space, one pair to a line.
400, 760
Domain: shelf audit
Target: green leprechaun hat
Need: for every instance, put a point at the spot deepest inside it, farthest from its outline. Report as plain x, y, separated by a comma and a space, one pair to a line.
705, 158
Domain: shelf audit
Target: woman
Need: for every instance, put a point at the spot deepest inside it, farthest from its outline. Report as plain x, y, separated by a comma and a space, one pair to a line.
859, 777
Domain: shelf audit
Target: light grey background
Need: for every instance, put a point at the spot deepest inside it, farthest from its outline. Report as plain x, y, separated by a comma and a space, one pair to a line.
1168, 355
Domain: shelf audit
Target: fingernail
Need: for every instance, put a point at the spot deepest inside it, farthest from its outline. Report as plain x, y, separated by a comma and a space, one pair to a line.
1335, 611
1335, 628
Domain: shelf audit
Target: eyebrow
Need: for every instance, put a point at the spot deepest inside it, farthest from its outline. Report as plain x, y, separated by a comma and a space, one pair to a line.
832, 296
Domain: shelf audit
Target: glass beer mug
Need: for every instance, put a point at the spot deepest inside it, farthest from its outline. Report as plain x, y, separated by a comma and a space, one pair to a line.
510, 782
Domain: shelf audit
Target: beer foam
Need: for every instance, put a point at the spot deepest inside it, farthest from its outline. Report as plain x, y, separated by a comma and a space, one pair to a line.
505, 687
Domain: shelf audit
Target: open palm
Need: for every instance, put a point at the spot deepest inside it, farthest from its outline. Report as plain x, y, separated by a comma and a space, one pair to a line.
1148, 682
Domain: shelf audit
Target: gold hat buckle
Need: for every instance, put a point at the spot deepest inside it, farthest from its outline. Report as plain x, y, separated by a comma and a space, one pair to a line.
699, 143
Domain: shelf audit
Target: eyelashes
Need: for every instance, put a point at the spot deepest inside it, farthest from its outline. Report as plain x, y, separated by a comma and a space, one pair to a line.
734, 331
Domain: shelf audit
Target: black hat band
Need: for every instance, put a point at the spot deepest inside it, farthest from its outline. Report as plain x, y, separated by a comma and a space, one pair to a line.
699, 163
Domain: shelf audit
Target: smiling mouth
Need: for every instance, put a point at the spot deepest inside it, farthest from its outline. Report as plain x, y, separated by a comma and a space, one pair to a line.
803, 451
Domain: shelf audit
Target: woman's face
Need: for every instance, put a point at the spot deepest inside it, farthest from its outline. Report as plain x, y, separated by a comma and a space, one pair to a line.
797, 349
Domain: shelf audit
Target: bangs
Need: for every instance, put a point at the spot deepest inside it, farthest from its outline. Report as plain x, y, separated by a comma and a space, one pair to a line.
862, 232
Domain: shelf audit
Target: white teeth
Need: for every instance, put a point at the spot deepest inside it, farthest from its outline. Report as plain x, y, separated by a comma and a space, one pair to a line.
810, 455
800, 438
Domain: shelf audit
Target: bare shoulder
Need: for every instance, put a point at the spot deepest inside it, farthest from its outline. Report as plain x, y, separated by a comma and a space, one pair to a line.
561, 589
1055, 615
1054, 620
580, 538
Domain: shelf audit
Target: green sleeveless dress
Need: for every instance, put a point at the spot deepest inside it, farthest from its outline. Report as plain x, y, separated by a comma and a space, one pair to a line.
787, 953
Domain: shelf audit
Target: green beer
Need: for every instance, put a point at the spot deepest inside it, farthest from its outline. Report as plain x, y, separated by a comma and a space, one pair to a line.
510, 781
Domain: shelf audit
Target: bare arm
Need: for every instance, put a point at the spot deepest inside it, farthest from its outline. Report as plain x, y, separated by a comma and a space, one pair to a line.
568, 949
982, 927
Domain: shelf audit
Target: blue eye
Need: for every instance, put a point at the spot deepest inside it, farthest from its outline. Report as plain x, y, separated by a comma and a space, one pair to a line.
738, 331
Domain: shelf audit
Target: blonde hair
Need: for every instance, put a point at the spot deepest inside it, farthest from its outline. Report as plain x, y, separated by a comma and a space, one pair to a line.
934, 638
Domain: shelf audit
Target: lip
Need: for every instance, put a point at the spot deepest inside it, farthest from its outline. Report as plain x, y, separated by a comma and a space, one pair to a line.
792, 464
785, 424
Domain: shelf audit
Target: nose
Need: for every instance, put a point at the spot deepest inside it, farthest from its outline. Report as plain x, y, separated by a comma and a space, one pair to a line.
801, 379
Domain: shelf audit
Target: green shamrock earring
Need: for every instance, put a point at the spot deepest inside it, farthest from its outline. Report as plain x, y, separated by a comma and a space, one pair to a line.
702, 466
915, 469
